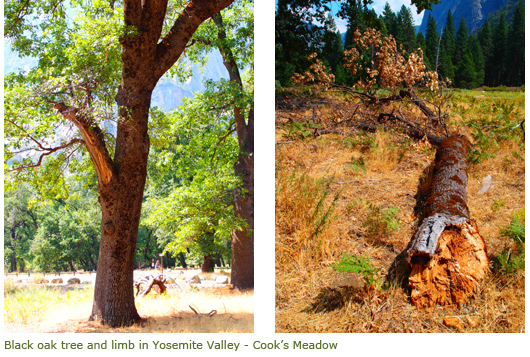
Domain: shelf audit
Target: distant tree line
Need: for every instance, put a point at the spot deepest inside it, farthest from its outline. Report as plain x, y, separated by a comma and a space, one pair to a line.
491, 56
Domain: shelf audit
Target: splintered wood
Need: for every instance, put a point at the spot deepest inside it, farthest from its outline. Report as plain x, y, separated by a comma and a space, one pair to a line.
447, 255
454, 272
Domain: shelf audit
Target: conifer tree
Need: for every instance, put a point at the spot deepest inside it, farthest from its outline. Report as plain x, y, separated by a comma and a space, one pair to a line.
466, 76
499, 54
485, 38
447, 49
516, 47
461, 42
431, 42
299, 31
390, 20
407, 32
420, 43
353, 12
477, 56
332, 51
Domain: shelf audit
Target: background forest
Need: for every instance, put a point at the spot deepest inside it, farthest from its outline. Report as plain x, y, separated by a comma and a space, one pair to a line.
470, 56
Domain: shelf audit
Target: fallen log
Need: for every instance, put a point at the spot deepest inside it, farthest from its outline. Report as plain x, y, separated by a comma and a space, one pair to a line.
145, 284
447, 254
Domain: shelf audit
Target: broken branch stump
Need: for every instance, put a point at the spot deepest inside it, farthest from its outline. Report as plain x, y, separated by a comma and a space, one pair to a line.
447, 255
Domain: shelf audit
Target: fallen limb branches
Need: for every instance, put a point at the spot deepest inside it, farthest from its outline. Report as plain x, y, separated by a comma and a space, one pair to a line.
145, 284
210, 314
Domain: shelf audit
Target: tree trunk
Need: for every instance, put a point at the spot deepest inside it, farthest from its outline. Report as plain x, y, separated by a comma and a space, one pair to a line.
182, 260
207, 264
121, 204
447, 255
14, 263
146, 57
242, 240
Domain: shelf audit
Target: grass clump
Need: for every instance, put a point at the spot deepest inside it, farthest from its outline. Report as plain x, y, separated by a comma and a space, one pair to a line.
306, 207
381, 222
357, 164
300, 130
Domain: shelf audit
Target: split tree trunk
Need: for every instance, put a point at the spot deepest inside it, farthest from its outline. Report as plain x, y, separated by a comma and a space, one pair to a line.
448, 255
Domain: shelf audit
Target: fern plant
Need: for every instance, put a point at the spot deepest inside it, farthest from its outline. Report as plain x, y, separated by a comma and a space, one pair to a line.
359, 264
513, 259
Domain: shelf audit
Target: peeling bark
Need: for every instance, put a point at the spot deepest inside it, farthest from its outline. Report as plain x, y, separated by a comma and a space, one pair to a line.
447, 254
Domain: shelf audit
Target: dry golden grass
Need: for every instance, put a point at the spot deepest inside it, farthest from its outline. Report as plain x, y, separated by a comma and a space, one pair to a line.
312, 297
169, 313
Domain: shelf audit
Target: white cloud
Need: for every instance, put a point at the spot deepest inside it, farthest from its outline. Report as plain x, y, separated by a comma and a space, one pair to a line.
342, 25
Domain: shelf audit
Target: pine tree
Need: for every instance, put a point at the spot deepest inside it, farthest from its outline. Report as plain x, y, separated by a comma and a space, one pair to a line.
352, 11
431, 42
332, 51
477, 56
465, 76
407, 31
420, 43
461, 42
300, 26
499, 52
448, 48
390, 20
516, 47
485, 38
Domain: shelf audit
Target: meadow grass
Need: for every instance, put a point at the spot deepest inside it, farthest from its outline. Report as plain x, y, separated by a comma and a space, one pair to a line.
39, 308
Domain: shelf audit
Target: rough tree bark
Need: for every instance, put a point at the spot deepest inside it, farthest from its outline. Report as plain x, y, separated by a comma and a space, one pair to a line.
447, 255
242, 240
121, 179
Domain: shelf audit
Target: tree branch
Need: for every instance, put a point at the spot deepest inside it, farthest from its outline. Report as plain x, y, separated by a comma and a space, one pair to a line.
245, 132
219, 143
49, 151
173, 44
93, 140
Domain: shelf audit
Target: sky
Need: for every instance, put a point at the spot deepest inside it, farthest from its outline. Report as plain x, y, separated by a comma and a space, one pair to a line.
378, 6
